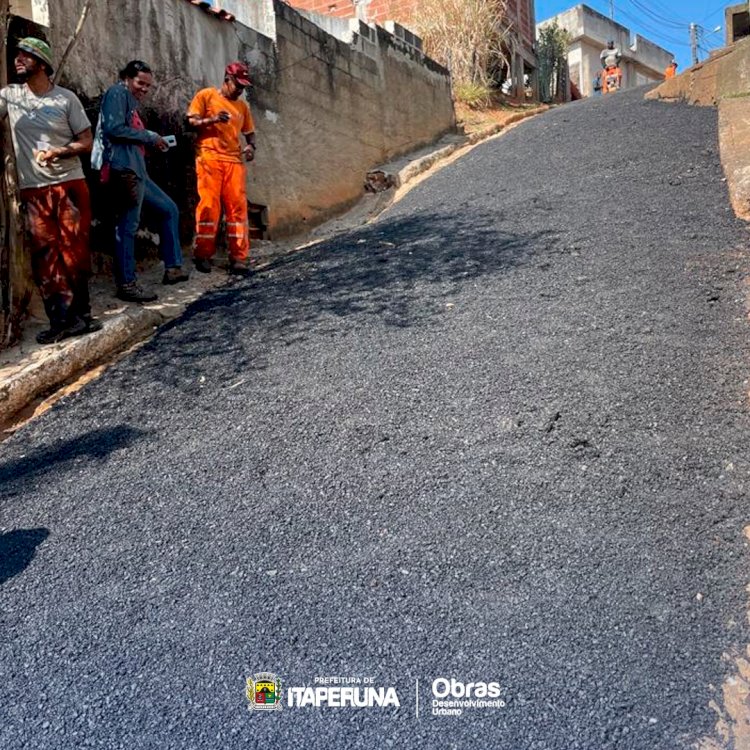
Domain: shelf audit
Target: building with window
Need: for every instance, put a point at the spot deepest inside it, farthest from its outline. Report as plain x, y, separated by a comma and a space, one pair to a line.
643, 61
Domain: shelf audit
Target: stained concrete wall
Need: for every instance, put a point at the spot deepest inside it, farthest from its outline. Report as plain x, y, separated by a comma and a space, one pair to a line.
326, 111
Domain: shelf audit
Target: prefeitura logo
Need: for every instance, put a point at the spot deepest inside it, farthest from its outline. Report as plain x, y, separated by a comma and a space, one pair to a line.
263, 690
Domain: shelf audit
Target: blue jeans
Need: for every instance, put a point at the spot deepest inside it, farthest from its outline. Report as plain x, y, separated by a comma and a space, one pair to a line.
131, 193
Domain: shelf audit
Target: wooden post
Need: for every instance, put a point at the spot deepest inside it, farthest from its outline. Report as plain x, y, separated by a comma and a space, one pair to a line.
16, 284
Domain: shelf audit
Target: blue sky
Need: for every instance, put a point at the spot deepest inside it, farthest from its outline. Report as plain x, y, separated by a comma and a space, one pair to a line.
666, 22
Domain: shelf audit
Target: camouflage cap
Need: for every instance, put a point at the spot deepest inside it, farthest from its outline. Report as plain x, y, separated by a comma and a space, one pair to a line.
36, 47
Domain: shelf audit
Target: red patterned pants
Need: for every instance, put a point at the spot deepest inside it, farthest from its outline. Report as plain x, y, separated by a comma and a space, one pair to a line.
58, 218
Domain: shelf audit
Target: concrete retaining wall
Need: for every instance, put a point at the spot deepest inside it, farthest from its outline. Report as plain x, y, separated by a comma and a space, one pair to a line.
723, 76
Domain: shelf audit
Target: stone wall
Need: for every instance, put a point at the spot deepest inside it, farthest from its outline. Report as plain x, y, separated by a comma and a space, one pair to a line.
326, 110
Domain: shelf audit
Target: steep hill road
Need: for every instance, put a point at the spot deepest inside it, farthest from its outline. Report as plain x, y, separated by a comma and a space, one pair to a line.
500, 435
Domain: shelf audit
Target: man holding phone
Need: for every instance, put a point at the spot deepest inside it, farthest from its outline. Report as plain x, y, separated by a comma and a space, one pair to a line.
124, 139
221, 116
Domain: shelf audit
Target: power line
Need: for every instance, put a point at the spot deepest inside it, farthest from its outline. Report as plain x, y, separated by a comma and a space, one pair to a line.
658, 18
644, 17
713, 12
652, 31
664, 9
651, 21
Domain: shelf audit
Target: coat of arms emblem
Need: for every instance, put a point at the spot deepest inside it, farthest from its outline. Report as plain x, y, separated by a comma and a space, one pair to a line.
263, 690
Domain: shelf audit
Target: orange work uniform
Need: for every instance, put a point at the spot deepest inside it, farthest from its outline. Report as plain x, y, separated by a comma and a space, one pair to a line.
671, 71
221, 174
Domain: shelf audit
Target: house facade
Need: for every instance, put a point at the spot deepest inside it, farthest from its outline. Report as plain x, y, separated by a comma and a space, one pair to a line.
643, 61
736, 22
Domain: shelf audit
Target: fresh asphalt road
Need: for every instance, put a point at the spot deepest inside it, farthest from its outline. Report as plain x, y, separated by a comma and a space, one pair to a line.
499, 435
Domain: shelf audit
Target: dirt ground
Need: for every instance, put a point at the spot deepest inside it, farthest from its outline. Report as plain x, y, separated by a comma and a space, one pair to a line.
473, 120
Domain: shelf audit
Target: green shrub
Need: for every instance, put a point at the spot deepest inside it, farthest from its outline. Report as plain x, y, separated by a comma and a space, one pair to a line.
474, 95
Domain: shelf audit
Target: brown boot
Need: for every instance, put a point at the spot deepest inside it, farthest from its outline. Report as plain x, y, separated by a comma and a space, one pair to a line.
175, 275
240, 268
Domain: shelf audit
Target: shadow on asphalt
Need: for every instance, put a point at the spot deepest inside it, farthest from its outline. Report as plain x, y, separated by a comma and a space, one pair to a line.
17, 550
399, 272
97, 444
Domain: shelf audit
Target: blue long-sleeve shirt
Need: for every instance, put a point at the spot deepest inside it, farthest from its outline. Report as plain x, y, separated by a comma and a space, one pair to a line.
123, 143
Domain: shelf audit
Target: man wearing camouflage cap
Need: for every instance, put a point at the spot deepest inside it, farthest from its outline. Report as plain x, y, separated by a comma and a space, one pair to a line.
50, 131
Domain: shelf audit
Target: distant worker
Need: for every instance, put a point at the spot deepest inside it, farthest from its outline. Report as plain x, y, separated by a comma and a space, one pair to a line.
611, 56
612, 77
671, 70
221, 116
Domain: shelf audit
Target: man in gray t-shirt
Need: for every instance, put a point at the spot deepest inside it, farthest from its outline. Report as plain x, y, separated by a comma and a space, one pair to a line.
611, 55
50, 131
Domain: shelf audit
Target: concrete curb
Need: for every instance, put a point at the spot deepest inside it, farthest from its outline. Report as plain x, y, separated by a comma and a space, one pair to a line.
401, 171
70, 357
39, 376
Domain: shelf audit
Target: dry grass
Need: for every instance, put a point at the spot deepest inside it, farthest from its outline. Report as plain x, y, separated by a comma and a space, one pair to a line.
470, 37
498, 112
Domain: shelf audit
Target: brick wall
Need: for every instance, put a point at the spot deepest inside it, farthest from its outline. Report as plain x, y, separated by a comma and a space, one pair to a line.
525, 21
337, 8
374, 10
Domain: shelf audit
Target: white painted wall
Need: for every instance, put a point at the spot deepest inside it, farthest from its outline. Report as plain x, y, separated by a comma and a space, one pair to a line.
575, 65
255, 14
642, 60
33, 10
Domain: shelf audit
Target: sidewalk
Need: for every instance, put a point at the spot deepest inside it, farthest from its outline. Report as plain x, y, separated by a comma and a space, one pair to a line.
30, 372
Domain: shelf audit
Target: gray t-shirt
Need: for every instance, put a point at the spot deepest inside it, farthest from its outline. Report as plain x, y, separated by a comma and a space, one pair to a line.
611, 57
54, 118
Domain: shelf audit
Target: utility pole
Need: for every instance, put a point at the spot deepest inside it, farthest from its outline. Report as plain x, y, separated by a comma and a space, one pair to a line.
694, 42
612, 9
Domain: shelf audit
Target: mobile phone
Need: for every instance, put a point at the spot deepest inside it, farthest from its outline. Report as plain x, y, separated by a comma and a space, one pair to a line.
170, 140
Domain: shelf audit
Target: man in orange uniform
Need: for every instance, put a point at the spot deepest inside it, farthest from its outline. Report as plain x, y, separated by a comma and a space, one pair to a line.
220, 117
671, 70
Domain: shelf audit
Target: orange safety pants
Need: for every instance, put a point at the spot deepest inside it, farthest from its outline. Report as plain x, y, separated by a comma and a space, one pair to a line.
221, 183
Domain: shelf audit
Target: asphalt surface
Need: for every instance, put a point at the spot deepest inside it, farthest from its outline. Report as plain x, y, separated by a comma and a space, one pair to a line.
499, 435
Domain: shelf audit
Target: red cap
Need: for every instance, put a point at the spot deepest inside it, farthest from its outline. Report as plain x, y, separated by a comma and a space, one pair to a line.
240, 72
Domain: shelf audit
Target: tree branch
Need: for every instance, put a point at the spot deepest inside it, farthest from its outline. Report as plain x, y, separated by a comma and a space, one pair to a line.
79, 27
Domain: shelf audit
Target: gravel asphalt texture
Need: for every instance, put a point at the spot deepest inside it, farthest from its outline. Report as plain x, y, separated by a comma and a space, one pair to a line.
500, 434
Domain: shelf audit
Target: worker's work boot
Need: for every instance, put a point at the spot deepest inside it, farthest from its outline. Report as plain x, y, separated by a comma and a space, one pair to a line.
240, 268
175, 275
202, 264
133, 292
